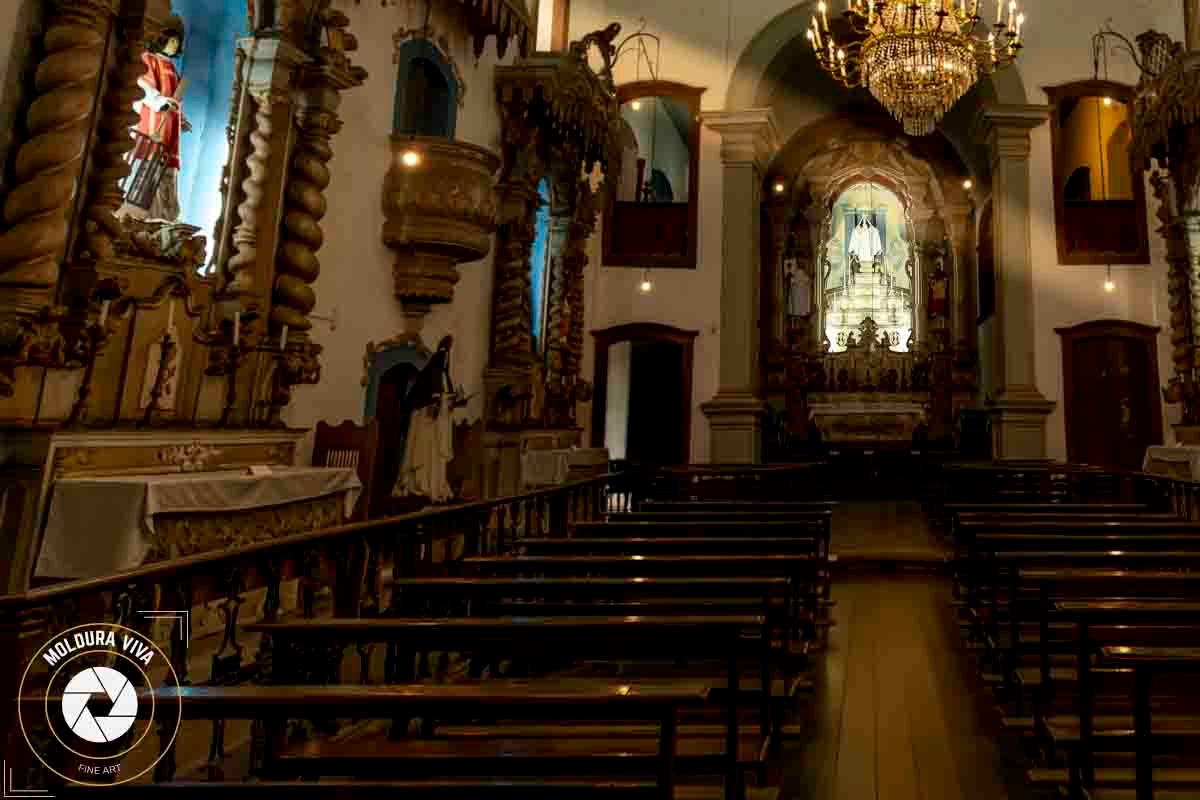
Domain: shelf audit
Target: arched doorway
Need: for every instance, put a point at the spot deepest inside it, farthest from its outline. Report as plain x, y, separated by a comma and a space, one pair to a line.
391, 369
642, 411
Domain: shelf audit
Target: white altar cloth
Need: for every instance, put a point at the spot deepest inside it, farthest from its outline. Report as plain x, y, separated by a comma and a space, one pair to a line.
1176, 462
98, 526
544, 467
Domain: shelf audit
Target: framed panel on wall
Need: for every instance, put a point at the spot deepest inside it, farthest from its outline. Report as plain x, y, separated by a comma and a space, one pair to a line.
1099, 193
651, 219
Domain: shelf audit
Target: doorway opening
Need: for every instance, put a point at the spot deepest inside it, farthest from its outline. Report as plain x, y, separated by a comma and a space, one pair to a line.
643, 400
1110, 388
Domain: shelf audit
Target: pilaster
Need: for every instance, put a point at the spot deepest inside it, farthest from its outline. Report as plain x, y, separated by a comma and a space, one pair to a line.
1020, 409
748, 140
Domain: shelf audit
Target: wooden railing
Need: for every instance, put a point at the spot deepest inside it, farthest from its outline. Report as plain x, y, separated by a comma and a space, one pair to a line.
800, 481
340, 570
1052, 482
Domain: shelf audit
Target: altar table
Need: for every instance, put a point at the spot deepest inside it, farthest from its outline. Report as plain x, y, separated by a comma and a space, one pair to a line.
1175, 462
101, 525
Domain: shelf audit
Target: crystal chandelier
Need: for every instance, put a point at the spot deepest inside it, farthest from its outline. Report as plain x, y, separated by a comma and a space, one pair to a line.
917, 58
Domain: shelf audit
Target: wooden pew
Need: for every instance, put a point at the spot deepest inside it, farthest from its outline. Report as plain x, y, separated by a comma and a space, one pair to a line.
629, 638
670, 545
547, 699
1128, 622
541, 789
801, 569
1001, 569
509, 596
817, 527
1048, 512
1146, 663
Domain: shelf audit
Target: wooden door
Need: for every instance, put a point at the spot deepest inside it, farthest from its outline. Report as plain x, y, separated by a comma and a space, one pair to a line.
1110, 383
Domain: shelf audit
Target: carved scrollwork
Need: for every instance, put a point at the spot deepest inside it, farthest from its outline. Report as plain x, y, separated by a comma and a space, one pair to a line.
172, 242
33, 341
193, 457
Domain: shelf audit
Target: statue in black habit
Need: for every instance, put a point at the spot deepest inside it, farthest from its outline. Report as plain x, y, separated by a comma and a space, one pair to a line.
430, 443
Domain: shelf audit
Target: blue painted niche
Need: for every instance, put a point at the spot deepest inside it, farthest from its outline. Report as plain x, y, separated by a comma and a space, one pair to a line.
212, 30
539, 259
383, 360
426, 91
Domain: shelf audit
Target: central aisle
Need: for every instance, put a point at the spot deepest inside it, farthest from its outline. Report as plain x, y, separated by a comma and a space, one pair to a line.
899, 714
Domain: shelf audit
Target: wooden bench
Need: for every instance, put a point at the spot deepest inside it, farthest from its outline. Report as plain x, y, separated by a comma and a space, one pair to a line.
1146, 663
540, 789
1125, 621
615, 637
818, 528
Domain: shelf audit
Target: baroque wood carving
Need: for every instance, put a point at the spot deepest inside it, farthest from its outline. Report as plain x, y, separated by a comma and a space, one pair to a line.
559, 119
1166, 109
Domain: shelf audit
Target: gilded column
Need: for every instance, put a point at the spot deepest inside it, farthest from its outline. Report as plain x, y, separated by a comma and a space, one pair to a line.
748, 140
36, 212
1191, 24
1019, 408
101, 228
297, 265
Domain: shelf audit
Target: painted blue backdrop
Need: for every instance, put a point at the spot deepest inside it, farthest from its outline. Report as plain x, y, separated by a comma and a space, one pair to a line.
213, 27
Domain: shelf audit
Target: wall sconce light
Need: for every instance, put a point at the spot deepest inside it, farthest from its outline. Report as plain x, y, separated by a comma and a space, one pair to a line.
1108, 101
636, 105
410, 158
1109, 286
779, 187
967, 184
646, 286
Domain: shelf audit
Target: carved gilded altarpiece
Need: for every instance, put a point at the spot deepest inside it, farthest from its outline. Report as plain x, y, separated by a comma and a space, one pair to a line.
131, 327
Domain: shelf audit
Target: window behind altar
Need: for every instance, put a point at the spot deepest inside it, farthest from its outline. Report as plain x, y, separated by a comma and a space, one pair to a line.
196, 144
869, 265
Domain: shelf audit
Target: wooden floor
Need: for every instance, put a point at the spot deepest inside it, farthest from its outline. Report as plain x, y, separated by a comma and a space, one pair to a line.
889, 529
899, 714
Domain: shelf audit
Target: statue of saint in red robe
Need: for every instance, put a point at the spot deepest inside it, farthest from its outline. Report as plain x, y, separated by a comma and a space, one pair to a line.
160, 123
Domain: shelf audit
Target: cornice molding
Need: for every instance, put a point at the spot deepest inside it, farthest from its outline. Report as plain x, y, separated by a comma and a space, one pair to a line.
747, 136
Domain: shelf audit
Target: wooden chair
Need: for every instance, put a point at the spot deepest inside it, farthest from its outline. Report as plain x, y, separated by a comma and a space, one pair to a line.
351, 446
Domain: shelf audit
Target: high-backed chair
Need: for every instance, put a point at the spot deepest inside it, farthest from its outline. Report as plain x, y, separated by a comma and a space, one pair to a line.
351, 446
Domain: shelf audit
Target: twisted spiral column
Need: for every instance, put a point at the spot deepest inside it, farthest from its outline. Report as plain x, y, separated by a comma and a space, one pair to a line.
100, 227
58, 121
304, 207
240, 268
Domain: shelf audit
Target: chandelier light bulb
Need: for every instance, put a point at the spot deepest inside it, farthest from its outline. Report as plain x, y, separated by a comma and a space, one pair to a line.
410, 158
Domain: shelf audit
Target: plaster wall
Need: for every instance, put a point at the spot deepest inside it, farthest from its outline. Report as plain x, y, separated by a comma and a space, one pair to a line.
356, 285
702, 44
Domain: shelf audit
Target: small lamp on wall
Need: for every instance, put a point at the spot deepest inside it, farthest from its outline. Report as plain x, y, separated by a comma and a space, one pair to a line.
1109, 285
646, 286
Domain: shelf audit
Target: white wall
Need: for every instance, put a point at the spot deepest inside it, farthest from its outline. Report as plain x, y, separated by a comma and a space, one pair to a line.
683, 298
702, 41
356, 267
616, 400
